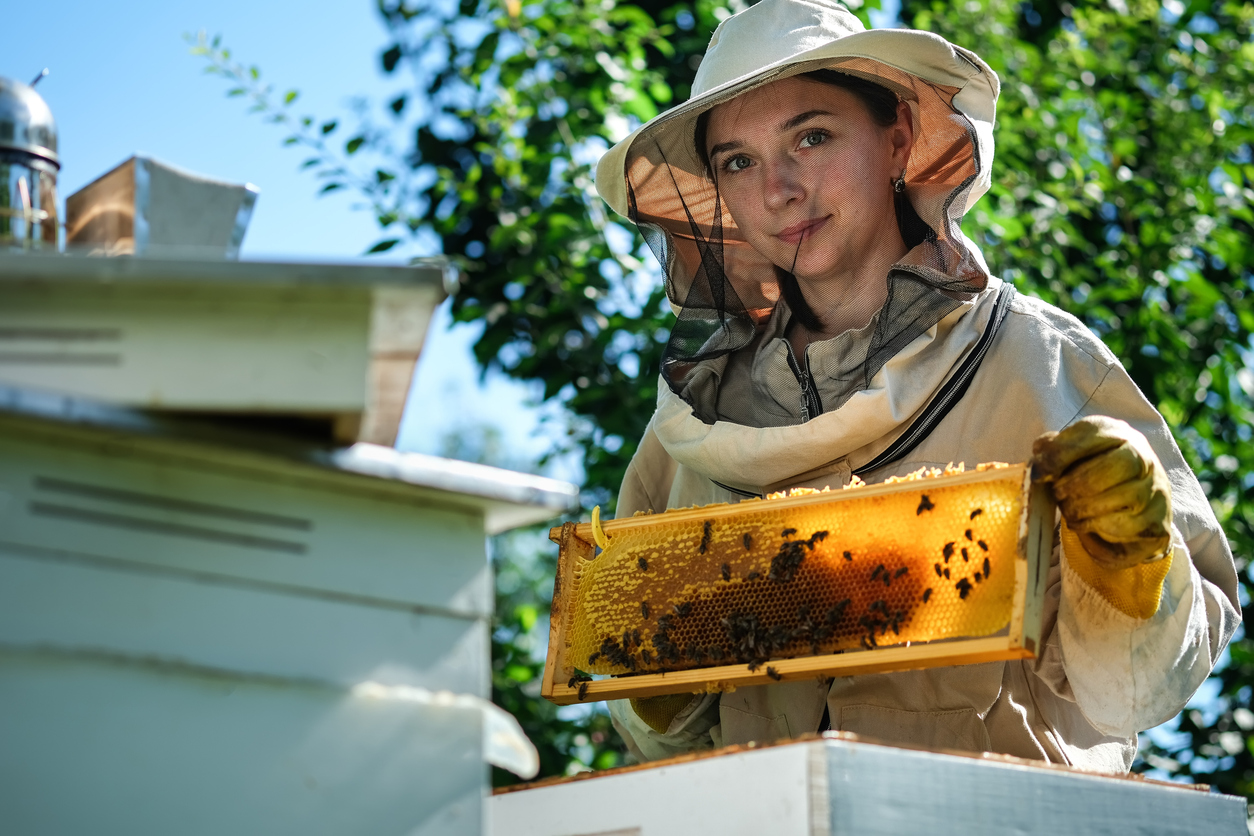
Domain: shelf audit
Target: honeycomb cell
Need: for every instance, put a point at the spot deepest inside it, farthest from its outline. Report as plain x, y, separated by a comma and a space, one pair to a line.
766, 580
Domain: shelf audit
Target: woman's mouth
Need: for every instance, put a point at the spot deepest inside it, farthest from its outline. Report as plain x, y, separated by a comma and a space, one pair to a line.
797, 233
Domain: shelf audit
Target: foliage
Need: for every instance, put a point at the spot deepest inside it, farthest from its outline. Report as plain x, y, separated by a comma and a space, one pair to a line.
1123, 191
523, 562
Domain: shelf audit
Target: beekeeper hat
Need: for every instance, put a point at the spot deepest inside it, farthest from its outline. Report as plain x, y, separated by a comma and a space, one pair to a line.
776, 39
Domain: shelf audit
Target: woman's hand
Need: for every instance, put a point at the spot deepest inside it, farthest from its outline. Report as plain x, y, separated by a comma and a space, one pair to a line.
1112, 489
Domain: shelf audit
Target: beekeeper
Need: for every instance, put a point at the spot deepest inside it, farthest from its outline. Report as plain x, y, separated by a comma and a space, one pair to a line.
833, 320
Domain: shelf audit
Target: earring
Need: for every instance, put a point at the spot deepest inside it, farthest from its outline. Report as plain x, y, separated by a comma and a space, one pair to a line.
899, 185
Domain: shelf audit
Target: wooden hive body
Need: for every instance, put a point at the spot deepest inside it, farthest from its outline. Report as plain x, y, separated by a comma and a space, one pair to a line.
936, 571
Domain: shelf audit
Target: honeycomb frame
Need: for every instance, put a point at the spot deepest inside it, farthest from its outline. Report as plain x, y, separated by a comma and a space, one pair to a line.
1003, 614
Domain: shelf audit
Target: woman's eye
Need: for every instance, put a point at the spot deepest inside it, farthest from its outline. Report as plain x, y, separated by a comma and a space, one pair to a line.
814, 138
736, 163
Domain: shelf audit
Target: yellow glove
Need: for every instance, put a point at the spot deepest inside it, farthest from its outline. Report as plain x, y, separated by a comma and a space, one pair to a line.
657, 712
1116, 505
1111, 487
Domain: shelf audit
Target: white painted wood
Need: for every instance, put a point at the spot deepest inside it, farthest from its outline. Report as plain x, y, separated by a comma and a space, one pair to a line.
122, 746
205, 348
85, 495
77, 606
841, 786
884, 790
318, 341
504, 499
724, 795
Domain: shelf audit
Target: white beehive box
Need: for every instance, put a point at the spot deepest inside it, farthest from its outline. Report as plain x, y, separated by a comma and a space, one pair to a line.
327, 343
840, 785
206, 632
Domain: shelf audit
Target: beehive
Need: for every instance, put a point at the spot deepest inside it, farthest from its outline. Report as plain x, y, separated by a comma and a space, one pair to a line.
711, 597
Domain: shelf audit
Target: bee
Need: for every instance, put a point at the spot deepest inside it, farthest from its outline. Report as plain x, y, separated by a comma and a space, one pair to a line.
946, 573
646, 657
726, 570
976, 512
787, 532
966, 558
986, 567
753, 576
626, 637
834, 614
593, 658
964, 588
577, 678
927, 593
754, 665
706, 531
683, 609
748, 541
875, 573
643, 564
715, 653
816, 537
982, 545
644, 609
635, 637
967, 534
901, 572
948, 551
925, 504
848, 556
583, 690
773, 674
803, 612
880, 605
937, 567
978, 577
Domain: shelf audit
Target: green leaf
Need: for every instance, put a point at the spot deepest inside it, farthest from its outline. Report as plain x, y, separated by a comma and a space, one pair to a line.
329, 126
290, 97
383, 246
353, 144
391, 57
527, 615
330, 187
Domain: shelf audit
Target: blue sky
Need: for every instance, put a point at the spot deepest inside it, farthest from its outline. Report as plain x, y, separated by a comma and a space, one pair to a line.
122, 81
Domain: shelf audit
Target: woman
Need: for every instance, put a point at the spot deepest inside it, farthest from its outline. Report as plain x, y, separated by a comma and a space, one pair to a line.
833, 320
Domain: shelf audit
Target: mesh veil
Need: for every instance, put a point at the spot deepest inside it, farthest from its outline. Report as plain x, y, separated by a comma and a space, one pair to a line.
726, 355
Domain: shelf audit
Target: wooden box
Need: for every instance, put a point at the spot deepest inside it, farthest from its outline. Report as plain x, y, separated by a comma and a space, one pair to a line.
147, 207
1026, 531
209, 631
329, 347
838, 785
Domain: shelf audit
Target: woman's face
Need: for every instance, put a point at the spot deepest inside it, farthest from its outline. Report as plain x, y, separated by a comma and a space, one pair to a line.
808, 177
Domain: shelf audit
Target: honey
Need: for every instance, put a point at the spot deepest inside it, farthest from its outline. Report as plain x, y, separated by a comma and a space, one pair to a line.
931, 559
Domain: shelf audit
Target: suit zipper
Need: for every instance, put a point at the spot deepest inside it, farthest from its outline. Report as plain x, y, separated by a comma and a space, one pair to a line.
811, 406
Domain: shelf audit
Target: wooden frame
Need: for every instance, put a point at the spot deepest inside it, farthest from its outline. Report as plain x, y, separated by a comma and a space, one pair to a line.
1019, 641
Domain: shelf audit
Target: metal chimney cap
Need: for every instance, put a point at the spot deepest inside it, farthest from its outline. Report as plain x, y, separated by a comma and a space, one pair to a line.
26, 123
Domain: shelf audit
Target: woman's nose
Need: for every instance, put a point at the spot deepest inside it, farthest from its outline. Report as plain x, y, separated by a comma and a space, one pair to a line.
783, 184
